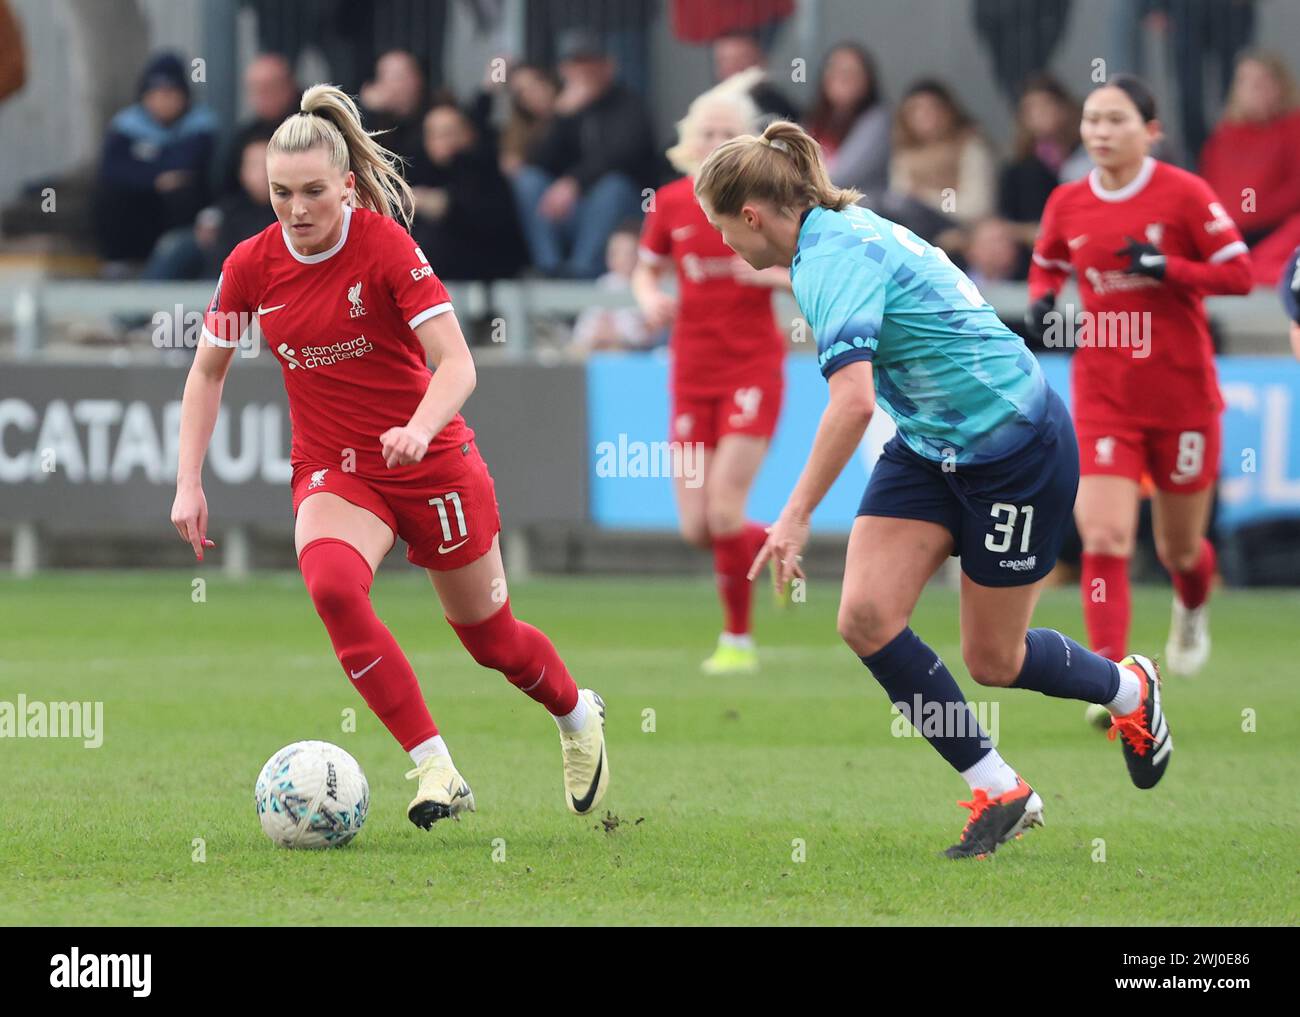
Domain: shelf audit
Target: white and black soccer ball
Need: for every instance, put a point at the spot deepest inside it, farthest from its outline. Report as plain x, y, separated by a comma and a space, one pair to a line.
311, 795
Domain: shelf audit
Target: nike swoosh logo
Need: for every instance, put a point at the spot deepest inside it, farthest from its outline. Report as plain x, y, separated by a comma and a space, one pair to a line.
268, 310
584, 803
358, 674
444, 549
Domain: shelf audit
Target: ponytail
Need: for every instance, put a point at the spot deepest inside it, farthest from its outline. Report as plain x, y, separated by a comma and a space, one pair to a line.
329, 119
783, 166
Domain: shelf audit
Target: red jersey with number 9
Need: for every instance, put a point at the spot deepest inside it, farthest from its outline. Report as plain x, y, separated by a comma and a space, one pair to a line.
725, 335
341, 325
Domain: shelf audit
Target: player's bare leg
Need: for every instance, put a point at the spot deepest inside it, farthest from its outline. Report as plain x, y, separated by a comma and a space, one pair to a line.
1002, 651
1106, 512
476, 603
340, 546
1181, 522
873, 620
692, 506
735, 541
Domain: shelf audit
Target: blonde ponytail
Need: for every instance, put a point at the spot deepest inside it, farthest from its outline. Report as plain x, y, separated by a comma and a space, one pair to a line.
329, 119
783, 166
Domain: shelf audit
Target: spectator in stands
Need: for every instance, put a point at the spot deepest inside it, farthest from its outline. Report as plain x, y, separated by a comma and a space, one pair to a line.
992, 254
739, 50
695, 22
242, 215
1047, 152
939, 157
13, 55
271, 94
198, 251
1205, 33
1020, 36
617, 328
157, 155
465, 220
1268, 258
585, 174
395, 102
1252, 160
850, 121
532, 91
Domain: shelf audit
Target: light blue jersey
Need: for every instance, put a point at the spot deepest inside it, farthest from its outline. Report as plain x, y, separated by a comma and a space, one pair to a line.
960, 385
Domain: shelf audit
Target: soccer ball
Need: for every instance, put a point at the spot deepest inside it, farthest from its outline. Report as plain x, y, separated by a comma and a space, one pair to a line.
311, 795
1098, 716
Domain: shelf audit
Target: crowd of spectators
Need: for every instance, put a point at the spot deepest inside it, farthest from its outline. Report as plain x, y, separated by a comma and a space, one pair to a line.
544, 168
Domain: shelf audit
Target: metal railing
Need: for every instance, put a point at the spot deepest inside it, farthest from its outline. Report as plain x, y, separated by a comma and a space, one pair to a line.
1251, 324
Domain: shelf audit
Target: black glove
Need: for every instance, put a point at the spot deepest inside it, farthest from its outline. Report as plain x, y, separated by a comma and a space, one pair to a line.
1144, 259
1039, 309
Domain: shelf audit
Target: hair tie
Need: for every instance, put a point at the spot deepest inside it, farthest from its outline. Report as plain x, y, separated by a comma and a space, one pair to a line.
776, 143
304, 113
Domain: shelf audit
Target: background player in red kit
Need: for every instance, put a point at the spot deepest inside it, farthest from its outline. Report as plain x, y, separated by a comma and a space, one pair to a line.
351, 309
727, 357
1142, 238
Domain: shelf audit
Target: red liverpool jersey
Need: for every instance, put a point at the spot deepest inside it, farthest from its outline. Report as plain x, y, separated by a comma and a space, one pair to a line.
1158, 369
725, 335
341, 325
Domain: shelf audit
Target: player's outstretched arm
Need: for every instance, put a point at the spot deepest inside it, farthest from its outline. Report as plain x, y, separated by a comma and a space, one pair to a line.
454, 378
199, 408
844, 421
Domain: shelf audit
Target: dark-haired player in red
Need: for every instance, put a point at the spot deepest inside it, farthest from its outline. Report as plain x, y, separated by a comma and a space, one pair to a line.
727, 358
1145, 241
351, 310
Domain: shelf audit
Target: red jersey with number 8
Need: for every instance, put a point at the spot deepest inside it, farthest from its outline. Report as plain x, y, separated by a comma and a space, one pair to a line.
1146, 358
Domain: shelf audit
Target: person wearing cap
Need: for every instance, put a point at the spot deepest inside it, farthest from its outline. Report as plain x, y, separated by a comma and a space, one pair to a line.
586, 173
155, 163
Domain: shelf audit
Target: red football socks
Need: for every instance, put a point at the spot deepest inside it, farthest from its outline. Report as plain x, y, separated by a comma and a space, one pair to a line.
732, 556
1193, 587
1106, 607
524, 655
338, 579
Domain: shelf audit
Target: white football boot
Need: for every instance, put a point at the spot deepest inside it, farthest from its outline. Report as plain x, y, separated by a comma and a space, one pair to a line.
586, 767
1188, 647
443, 792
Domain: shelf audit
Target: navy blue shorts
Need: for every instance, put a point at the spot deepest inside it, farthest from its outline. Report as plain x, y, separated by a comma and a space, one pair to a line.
1007, 518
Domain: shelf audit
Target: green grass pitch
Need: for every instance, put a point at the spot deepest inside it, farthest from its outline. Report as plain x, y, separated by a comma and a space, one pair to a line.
778, 798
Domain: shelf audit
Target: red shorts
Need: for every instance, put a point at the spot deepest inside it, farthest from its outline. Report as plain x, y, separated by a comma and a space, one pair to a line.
752, 409
1178, 460
447, 514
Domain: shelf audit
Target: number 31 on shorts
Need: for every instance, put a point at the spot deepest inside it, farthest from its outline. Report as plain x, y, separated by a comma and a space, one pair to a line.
1006, 518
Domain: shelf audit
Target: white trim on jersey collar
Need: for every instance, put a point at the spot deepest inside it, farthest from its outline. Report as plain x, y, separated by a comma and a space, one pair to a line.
1128, 190
312, 259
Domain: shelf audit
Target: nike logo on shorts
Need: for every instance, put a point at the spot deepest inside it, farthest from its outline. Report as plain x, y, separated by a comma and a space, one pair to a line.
444, 549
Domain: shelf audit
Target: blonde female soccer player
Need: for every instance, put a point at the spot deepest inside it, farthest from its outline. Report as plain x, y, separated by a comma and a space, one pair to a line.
984, 466
727, 358
350, 309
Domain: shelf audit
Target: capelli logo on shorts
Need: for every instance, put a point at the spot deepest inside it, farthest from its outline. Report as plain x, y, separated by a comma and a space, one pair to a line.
1023, 565
75, 970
